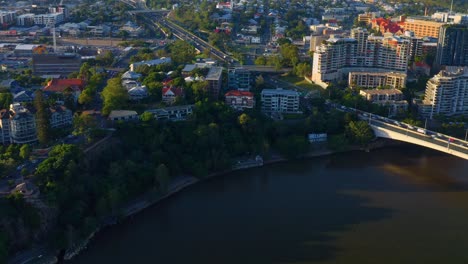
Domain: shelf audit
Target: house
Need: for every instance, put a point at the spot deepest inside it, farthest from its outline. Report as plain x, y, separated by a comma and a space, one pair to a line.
162, 60
123, 115
170, 93
173, 113
240, 100
60, 116
22, 97
137, 93
131, 75
60, 86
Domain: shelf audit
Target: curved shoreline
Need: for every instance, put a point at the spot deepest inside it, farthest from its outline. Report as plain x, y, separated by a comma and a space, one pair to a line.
178, 184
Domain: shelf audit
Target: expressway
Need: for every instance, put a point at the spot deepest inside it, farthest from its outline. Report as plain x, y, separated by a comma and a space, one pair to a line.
443, 141
430, 137
186, 35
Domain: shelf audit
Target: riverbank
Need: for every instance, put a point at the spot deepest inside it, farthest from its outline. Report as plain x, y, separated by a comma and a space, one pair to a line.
178, 184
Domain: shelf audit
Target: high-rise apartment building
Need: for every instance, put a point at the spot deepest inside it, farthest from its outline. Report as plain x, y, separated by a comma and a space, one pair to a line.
452, 47
336, 57
446, 93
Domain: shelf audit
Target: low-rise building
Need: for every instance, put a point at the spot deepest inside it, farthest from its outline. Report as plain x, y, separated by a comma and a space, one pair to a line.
240, 100
123, 115
173, 113
368, 79
60, 116
162, 60
137, 93
170, 94
375, 95
392, 99
62, 64
62, 86
280, 101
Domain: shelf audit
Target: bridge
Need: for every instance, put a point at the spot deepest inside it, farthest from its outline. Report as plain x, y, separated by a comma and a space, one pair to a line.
148, 11
387, 128
425, 138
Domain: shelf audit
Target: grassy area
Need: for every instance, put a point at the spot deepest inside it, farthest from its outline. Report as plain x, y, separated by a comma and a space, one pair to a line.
301, 82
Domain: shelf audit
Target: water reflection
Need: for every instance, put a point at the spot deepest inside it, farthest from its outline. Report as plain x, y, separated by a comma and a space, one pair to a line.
309, 211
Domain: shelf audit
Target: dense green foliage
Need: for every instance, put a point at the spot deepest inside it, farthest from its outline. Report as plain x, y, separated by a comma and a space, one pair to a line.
18, 223
5, 100
42, 117
9, 158
93, 81
114, 96
3, 248
360, 132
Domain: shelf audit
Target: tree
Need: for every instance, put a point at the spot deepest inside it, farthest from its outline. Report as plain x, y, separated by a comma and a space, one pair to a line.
290, 54
86, 97
259, 82
25, 151
182, 52
42, 118
360, 132
147, 117
3, 248
303, 69
82, 124
162, 176
114, 96
5, 100
262, 60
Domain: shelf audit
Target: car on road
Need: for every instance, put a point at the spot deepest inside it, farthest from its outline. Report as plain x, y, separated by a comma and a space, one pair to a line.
422, 131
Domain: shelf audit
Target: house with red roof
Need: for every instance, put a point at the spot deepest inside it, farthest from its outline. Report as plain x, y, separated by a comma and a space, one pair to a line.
170, 93
240, 100
61, 86
386, 25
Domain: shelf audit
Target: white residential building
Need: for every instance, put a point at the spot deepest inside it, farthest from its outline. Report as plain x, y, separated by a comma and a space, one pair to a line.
279, 100
22, 125
336, 57
60, 116
48, 19
446, 93
25, 20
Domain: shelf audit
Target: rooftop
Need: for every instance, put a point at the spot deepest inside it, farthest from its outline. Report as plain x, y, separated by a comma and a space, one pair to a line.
279, 91
214, 74
381, 91
239, 93
122, 113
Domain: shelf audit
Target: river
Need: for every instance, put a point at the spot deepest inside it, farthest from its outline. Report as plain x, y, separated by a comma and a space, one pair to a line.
394, 205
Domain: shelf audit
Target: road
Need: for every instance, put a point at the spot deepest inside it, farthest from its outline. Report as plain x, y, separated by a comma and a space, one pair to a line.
160, 20
412, 131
